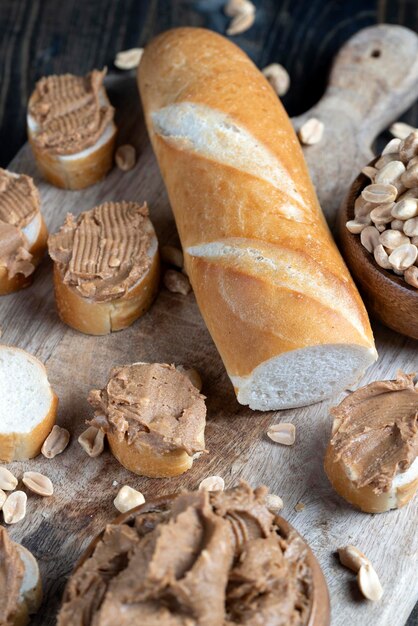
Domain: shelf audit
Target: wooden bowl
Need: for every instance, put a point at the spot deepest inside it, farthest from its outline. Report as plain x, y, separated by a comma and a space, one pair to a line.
386, 296
320, 606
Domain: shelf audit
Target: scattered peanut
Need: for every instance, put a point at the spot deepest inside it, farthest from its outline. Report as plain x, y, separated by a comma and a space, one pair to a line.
172, 255
311, 131
14, 508
273, 502
192, 374
92, 441
369, 583
351, 557
38, 483
243, 16
283, 433
128, 59
278, 78
8, 482
125, 157
3, 498
56, 442
299, 507
176, 282
212, 483
128, 499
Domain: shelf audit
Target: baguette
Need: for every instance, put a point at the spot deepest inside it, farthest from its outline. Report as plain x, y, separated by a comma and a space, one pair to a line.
271, 285
28, 405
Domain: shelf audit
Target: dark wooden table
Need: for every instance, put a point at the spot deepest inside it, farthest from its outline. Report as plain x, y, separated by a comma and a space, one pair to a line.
40, 37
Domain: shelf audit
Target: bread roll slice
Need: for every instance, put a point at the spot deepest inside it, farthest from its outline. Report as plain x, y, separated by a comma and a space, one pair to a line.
270, 283
28, 597
67, 97
28, 405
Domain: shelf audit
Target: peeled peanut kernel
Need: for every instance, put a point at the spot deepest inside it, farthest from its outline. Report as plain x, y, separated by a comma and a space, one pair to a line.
392, 239
283, 433
125, 157
414, 240
410, 176
128, 499
176, 282
352, 557
192, 374
411, 276
356, 226
380, 227
381, 257
405, 209
273, 503
38, 483
401, 130
128, 59
14, 509
397, 225
408, 148
212, 483
92, 441
8, 482
278, 78
369, 583
403, 257
237, 7
172, 255
369, 238
379, 193
382, 213
385, 159
412, 162
392, 147
410, 227
370, 172
311, 131
56, 442
362, 208
3, 498
390, 173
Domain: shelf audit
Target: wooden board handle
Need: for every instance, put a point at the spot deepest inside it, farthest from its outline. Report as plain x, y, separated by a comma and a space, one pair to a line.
373, 80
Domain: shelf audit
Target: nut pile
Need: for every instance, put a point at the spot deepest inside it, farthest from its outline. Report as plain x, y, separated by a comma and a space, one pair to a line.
386, 212
13, 505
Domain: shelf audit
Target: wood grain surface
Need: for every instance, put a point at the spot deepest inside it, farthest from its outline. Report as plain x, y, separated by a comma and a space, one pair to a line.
58, 529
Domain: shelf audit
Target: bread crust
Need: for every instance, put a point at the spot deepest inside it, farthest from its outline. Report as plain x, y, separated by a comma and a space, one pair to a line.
23, 446
101, 318
364, 498
144, 461
75, 173
20, 281
255, 307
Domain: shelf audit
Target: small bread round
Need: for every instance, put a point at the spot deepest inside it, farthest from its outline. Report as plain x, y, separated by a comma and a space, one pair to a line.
31, 589
101, 318
140, 459
77, 171
404, 486
24, 392
37, 250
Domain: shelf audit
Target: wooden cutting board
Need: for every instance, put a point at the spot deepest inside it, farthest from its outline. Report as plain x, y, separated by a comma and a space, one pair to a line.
58, 529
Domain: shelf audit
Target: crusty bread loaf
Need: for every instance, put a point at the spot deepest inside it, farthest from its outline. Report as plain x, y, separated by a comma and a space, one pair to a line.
275, 294
37, 235
28, 405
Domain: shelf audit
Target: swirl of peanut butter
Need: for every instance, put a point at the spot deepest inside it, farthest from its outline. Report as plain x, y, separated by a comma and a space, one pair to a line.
71, 112
209, 559
105, 251
376, 433
19, 205
11, 577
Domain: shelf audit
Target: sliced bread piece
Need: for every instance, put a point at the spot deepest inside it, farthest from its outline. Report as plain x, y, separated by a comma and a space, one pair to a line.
28, 405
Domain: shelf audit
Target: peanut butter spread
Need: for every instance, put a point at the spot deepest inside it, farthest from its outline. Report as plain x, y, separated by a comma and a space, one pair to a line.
208, 559
19, 205
153, 404
377, 434
103, 252
71, 112
11, 576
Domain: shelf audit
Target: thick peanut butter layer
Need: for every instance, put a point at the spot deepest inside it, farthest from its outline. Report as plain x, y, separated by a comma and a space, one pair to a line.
209, 559
11, 576
71, 112
152, 403
105, 251
377, 432
19, 205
